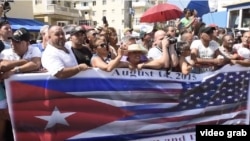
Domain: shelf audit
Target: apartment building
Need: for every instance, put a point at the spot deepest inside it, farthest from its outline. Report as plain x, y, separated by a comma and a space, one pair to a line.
94, 10
60, 12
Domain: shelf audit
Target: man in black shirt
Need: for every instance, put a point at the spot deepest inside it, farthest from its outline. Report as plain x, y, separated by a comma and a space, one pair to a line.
82, 53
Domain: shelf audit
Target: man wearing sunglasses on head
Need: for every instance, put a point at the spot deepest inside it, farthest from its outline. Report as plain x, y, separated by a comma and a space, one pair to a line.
81, 52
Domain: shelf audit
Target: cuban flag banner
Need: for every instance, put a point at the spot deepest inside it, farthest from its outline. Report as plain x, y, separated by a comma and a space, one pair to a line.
125, 104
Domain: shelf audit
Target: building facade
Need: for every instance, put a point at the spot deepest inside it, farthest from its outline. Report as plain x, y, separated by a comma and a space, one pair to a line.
94, 10
18, 12
60, 12
238, 15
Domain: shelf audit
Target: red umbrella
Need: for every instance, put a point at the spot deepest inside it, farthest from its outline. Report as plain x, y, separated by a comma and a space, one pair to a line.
161, 13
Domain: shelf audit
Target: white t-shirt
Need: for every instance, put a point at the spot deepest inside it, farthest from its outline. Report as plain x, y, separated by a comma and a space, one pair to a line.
9, 54
154, 53
204, 52
54, 59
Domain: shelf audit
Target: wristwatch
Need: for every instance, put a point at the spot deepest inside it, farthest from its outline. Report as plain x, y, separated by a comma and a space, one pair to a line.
17, 70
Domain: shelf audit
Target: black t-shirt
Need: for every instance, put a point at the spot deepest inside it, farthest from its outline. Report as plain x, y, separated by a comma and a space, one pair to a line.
83, 55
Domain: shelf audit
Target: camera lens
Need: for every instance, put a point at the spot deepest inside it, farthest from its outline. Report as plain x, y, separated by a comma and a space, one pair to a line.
172, 40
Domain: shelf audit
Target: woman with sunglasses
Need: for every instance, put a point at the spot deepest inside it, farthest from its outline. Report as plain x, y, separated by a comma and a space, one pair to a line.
104, 59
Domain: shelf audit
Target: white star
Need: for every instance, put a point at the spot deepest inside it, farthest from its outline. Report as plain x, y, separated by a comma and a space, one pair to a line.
219, 78
211, 82
56, 117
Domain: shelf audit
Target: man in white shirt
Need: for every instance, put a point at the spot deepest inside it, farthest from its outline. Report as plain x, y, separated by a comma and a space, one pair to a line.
243, 50
59, 59
204, 52
156, 51
21, 57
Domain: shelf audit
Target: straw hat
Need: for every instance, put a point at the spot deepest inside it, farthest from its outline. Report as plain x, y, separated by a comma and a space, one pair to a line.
137, 47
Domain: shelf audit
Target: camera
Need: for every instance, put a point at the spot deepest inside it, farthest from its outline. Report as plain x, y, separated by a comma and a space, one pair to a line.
171, 40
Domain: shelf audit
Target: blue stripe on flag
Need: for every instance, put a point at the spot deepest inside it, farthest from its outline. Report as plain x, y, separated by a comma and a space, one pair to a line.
100, 84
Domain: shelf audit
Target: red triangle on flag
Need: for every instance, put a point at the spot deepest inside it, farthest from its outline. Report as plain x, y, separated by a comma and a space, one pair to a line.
31, 102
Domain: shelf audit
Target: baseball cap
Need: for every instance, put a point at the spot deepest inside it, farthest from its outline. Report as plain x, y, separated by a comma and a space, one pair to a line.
76, 29
207, 30
145, 29
21, 34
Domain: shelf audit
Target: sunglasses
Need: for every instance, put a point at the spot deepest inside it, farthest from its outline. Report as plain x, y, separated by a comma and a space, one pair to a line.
103, 45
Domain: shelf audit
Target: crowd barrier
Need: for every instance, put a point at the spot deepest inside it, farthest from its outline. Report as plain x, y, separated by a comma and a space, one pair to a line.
142, 105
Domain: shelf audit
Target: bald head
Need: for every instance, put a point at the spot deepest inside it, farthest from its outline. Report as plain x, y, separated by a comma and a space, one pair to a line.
159, 35
56, 36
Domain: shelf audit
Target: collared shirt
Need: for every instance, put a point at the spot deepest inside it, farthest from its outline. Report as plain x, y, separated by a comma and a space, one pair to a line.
54, 59
9, 54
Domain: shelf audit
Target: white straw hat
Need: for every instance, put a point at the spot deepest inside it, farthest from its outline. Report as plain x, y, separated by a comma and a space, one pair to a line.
137, 47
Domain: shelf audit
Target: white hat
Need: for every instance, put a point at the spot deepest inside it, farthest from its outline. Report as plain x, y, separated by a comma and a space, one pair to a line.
244, 52
137, 47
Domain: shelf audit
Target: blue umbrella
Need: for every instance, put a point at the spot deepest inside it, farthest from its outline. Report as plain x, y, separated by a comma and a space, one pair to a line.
201, 6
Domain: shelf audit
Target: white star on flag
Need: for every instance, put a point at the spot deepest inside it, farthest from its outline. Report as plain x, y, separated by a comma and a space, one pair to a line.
56, 117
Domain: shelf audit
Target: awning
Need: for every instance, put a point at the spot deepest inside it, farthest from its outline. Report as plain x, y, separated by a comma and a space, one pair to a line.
30, 24
218, 18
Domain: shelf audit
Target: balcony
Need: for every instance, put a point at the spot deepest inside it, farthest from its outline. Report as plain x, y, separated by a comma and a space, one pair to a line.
83, 8
55, 9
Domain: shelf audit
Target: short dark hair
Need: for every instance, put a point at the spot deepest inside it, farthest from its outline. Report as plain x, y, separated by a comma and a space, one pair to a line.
3, 22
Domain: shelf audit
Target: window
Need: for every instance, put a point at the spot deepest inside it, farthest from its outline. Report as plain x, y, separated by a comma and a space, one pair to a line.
94, 3
67, 4
62, 23
113, 11
137, 21
84, 22
113, 0
93, 13
234, 19
53, 2
113, 21
245, 23
38, 1
104, 2
84, 3
104, 12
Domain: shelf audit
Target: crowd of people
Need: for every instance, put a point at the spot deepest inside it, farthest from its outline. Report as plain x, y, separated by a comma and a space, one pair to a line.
65, 51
